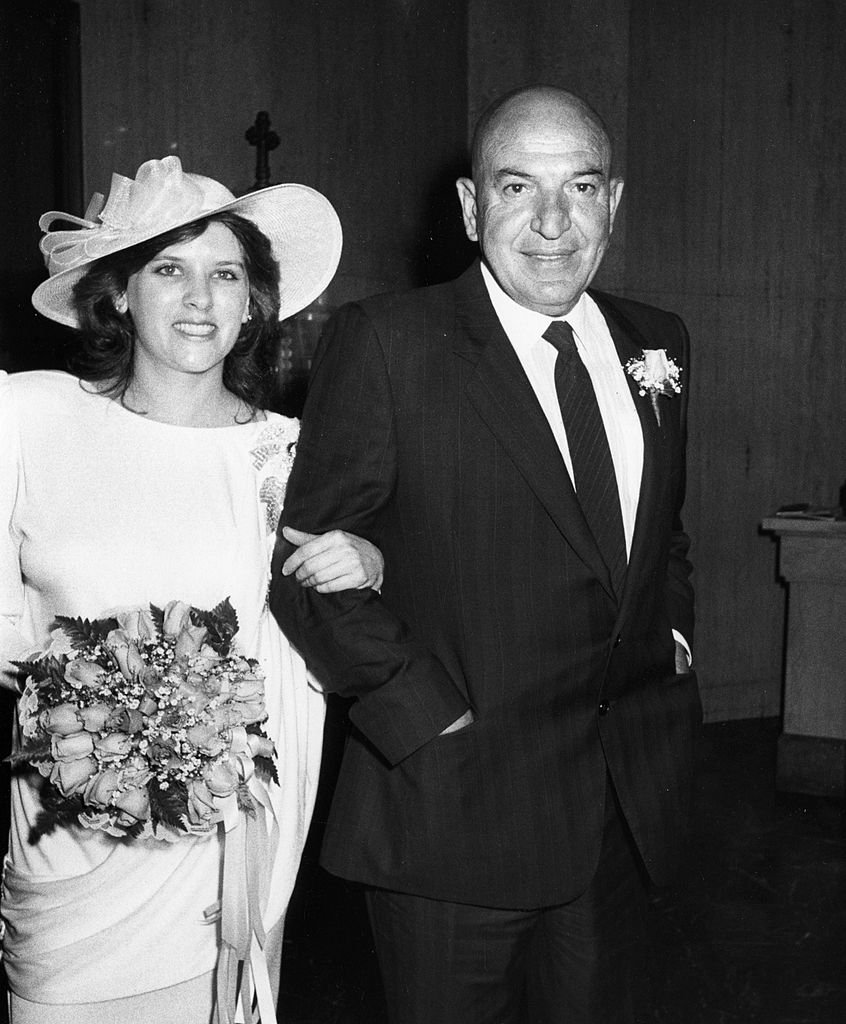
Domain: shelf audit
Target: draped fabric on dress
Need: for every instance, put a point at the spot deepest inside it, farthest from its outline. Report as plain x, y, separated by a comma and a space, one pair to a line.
108, 510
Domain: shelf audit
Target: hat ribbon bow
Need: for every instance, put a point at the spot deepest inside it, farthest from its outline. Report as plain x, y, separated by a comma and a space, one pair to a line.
161, 197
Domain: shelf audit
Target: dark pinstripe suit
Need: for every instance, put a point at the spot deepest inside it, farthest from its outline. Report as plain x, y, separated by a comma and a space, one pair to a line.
422, 433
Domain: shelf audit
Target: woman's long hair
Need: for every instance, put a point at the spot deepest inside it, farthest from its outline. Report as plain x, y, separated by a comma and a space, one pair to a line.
105, 341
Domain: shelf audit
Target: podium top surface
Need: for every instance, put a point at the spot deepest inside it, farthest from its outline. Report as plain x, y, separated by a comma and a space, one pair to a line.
807, 526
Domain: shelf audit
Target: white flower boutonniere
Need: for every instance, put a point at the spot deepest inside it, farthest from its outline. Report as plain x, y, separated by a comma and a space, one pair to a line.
655, 374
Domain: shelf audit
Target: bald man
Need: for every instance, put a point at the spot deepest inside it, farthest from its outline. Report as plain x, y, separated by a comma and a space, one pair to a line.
520, 755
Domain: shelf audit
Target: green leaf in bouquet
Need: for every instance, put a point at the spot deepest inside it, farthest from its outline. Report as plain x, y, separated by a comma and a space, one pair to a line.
55, 674
221, 622
48, 676
265, 766
133, 831
47, 668
82, 632
170, 805
266, 769
56, 810
36, 750
158, 618
245, 800
34, 670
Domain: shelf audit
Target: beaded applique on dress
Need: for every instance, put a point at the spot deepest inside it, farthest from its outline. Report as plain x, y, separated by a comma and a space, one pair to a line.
273, 456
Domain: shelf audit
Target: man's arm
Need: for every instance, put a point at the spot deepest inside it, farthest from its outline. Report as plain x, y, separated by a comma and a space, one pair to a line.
343, 477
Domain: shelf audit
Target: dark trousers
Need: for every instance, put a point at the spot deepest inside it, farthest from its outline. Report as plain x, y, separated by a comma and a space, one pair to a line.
582, 962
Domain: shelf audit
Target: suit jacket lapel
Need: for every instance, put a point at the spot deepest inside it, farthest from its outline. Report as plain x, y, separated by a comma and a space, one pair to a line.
503, 397
630, 344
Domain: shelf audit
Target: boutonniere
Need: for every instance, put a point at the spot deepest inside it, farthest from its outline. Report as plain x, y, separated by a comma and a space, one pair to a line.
655, 374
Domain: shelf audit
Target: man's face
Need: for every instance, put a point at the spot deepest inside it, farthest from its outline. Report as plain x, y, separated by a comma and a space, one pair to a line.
541, 204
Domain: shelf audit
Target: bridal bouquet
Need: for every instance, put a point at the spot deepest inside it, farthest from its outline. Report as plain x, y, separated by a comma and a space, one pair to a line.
145, 725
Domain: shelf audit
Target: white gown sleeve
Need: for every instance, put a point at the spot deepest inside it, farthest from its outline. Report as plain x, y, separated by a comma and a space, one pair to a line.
13, 644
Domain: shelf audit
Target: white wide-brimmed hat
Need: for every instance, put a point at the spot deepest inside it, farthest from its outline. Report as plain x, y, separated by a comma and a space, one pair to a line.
302, 226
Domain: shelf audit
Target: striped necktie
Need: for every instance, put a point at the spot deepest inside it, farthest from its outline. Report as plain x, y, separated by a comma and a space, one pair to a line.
593, 469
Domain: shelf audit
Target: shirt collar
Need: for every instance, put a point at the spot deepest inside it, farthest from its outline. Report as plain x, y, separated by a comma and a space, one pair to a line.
525, 326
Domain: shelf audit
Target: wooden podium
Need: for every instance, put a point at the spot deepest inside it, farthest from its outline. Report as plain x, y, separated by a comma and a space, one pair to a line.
812, 746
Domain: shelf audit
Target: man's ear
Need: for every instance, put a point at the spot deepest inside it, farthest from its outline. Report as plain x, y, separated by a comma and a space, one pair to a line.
615, 194
467, 197
121, 303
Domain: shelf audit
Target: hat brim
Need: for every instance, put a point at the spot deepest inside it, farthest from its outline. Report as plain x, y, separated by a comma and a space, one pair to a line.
304, 232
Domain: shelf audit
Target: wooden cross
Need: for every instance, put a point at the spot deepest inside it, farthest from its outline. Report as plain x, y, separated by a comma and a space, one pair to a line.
260, 136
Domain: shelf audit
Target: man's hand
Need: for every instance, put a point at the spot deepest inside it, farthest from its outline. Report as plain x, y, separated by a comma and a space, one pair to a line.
333, 561
460, 723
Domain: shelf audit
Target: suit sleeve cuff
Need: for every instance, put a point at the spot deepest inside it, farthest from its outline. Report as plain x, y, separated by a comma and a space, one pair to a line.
410, 711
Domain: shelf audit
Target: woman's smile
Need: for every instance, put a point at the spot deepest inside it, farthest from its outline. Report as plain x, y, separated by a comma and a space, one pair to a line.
195, 330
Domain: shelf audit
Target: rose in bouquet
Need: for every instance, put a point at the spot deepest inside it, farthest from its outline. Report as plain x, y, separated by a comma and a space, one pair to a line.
146, 724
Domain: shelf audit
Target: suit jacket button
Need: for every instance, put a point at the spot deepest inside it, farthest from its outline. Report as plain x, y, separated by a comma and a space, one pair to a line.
604, 708
618, 641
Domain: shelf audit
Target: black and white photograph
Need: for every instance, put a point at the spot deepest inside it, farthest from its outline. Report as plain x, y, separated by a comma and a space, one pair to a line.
423, 512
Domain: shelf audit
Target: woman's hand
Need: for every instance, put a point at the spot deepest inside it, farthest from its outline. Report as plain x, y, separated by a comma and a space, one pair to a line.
333, 561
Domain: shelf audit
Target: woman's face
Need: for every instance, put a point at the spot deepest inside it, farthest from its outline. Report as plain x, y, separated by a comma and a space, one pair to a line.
188, 304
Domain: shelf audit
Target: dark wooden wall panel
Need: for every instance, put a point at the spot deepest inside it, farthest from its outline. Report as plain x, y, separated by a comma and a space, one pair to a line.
40, 163
580, 45
736, 220
369, 99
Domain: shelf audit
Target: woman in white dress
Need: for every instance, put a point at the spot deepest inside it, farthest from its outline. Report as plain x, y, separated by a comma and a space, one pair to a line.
154, 474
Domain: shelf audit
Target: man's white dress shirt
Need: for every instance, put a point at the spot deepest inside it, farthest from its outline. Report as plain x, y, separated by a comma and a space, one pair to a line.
525, 329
